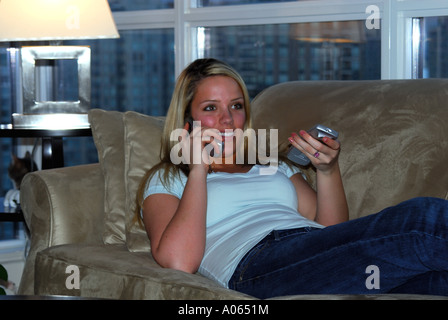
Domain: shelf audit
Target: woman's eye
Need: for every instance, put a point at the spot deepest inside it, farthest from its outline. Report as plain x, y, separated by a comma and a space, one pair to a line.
237, 106
210, 108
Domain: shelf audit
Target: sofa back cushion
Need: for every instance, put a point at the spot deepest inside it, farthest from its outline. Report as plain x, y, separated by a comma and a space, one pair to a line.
128, 145
142, 151
393, 134
108, 132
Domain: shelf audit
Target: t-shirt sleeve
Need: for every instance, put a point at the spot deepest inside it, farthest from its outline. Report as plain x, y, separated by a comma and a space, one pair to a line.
290, 170
175, 186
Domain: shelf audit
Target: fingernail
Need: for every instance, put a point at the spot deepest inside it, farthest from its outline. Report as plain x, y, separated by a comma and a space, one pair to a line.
302, 132
291, 139
293, 134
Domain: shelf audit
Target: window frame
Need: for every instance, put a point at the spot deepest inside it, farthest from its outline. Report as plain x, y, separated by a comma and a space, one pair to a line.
406, 11
396, 23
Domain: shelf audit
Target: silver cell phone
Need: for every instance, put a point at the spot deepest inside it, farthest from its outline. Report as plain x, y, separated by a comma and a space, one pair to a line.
220, 144
318, 132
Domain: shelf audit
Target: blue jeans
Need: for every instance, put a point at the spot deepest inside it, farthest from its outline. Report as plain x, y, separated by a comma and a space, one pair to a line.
402, 249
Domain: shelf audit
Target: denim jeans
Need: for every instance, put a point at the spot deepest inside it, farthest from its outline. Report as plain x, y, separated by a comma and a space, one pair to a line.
402, 249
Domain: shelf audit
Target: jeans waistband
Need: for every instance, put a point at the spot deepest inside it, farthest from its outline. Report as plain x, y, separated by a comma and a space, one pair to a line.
279, 234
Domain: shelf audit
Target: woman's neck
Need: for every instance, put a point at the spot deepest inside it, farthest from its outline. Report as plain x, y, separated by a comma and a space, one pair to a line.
229, 167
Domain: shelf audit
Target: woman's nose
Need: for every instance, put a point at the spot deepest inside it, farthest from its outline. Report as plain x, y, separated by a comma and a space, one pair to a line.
226, 117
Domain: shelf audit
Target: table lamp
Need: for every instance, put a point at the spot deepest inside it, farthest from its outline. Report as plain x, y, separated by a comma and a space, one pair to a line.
53, 21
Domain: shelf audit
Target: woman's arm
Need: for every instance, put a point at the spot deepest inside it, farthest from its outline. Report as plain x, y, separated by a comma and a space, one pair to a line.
176, 227
328, 205
332, 205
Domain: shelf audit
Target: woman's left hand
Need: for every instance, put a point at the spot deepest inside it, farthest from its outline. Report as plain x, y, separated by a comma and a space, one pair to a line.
323, 155
330, 202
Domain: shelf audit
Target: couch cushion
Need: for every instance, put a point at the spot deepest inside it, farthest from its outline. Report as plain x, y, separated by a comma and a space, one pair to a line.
393, 133
111, 271
108, 133
142, 151
128, 145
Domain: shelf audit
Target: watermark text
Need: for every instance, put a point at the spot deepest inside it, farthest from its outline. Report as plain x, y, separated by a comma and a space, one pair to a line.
260, 148
373, 20
72, 281
373, 280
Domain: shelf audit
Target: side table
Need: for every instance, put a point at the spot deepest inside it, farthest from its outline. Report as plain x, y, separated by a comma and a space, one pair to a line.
52, 148
52, 151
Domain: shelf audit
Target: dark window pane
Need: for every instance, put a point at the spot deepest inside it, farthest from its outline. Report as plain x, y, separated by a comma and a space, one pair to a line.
430, 48
134, 72
269, 54
129, 5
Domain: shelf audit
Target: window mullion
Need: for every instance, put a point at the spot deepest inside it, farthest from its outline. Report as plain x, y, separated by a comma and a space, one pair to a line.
182, 36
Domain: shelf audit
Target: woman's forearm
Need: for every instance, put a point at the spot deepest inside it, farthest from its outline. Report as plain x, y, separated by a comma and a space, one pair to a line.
332, 205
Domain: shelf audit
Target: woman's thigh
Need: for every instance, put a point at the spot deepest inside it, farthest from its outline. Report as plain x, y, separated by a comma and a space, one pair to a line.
374, 254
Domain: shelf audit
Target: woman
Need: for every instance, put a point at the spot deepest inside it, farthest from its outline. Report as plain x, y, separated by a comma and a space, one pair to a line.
272, 235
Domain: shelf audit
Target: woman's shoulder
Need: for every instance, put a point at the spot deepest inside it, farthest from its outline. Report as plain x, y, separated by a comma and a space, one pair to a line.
166, 180
288, 169
167, 174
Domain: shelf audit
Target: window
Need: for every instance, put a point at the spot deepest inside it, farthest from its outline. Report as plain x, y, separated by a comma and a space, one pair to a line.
429, 47
135, 72
269, 54
125, 70
131, 5
5, 117
11, 233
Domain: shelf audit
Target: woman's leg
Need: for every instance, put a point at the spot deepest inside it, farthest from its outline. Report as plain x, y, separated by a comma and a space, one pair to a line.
433, 283
374, 254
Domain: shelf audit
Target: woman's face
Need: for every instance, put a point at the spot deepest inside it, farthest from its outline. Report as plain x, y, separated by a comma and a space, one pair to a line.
219, 104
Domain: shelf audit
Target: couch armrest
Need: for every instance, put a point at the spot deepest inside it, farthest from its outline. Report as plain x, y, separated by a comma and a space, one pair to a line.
60, 206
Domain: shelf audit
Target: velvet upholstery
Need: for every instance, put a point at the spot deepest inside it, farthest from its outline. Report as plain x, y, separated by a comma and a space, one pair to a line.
393, 134
142, 133
108, 130
394, 147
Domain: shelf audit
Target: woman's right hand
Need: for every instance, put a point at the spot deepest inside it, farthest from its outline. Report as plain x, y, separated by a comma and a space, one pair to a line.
199, 143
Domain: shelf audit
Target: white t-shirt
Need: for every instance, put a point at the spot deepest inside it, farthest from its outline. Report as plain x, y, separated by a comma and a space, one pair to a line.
242, 208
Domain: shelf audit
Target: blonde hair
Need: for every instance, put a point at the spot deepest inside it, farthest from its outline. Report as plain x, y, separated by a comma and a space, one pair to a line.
180, 109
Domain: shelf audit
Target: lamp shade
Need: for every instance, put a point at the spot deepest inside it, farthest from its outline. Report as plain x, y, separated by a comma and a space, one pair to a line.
41, 20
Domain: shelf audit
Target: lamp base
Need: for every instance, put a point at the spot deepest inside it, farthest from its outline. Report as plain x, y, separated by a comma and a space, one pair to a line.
49, 121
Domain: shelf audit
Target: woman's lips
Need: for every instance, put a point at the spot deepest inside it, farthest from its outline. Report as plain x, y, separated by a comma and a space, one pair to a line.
227, 135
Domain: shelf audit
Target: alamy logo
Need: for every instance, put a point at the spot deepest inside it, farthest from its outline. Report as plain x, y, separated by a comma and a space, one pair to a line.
72, 281
373, 20
373, 280
187, 152
72, 21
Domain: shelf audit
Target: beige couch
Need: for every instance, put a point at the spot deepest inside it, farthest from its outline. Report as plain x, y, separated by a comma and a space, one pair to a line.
394, 147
